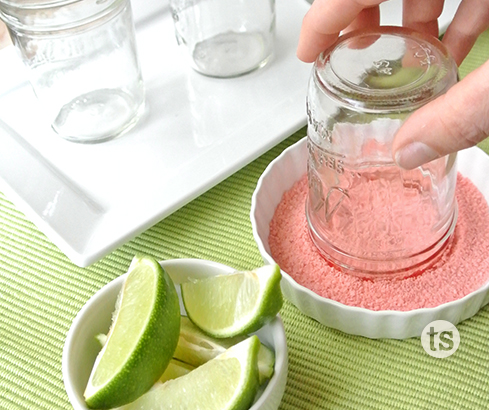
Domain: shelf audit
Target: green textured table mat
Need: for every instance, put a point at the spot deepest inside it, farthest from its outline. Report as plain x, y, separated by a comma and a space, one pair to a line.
41, 291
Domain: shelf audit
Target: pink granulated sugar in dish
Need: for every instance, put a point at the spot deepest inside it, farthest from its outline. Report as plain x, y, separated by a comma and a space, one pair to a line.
463, 268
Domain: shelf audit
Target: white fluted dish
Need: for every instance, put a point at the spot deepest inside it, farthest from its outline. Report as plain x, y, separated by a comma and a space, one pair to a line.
278, 178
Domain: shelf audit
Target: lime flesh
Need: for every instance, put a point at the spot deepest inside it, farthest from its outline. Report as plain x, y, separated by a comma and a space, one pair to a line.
174, 370
196, 348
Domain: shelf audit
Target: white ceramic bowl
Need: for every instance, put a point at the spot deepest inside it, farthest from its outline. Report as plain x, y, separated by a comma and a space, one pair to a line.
81, 348
278, 178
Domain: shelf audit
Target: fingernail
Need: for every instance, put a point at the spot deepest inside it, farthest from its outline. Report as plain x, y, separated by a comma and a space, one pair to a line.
415, 154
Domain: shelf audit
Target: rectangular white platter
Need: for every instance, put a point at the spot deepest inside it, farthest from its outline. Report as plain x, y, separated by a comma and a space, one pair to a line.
196, 131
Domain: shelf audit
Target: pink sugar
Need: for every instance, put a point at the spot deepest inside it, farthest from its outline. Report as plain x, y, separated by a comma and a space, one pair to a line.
463, 268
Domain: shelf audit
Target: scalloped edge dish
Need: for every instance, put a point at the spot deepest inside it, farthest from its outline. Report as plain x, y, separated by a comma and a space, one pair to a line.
279, 177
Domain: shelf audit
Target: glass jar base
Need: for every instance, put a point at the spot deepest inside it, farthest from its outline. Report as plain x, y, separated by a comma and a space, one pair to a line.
370, 269
98, 116
231, 54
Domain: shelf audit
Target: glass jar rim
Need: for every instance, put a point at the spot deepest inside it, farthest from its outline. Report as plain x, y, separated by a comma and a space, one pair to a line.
47, 16
37, 4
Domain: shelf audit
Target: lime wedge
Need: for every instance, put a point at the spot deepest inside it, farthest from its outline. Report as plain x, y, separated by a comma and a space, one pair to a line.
235, 304
228, 382
196, 348
266, 363
142, 338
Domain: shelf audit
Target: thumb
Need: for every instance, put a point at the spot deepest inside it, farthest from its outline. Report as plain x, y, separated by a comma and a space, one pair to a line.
458, 119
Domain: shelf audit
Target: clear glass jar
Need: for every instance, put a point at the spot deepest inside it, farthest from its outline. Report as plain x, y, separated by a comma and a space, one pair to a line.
365, 214
82, 61
225, 38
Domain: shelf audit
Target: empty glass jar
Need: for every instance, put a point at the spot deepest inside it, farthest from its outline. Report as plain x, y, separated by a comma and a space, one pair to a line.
225, 38
365, 214
82, 63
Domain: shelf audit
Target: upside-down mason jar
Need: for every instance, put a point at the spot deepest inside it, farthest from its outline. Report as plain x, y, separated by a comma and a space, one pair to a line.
82, 63
365, 214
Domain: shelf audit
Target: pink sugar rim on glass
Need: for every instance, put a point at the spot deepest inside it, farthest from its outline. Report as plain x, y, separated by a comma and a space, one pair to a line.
463, 269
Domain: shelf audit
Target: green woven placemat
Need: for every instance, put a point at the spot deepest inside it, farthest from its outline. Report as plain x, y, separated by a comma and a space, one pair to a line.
41, 292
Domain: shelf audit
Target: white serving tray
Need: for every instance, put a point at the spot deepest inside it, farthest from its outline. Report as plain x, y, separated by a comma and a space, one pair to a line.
90, 199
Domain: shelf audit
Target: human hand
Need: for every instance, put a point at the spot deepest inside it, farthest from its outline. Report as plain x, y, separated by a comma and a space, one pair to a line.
457, 120
4, 37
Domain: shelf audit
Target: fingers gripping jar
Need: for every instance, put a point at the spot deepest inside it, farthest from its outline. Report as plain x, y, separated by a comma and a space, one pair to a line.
365, 214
